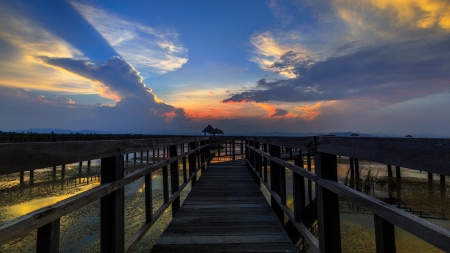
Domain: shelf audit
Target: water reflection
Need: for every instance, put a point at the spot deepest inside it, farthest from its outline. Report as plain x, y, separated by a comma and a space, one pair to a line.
80, 230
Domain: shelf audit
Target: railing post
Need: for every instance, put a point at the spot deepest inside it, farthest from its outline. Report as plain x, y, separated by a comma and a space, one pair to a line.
48, 237
275, 182
327, 205
282, 183
384, 235
192, 167
299, 190
174, 179
148, 198
112, 207
165, 171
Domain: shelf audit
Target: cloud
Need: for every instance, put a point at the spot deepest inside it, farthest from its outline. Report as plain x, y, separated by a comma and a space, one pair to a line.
21, 40
272, 50
280, 12
153, 51
390, 71
121, 79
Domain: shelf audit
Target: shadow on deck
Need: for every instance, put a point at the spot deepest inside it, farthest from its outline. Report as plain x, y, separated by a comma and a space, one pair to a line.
225, 212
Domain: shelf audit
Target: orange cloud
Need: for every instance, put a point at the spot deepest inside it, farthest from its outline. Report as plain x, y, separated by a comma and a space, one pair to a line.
311, 112
169, 116
270, 109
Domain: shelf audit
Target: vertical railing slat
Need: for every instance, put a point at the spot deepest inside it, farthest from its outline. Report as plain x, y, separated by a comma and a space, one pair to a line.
299, 191
384, 235
174, 179
148, 198
48, 237
327, 205
275, 181
112, 230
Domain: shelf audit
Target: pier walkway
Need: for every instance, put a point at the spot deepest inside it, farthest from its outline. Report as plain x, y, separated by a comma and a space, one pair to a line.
225, 212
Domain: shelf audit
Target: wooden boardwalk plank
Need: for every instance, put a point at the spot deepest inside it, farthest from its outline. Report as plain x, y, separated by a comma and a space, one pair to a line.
225, 212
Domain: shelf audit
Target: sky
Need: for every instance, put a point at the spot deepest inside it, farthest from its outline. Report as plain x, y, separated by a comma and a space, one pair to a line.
246, 67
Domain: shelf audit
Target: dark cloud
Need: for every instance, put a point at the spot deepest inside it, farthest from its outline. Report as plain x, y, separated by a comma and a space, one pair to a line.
138, 104
389, 71
279, 112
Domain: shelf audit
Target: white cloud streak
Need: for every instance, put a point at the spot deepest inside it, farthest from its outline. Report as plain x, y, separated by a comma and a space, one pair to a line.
152, 51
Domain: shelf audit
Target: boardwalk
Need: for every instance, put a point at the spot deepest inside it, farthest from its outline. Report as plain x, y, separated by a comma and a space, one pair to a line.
225, 212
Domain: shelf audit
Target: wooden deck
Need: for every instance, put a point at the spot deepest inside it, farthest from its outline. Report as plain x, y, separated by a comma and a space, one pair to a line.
225, 212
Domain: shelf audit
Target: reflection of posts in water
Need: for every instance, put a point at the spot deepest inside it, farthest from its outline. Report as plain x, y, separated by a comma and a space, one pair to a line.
21, 177
442, 184
430, 183
88, 171
308, 161
63, 173
390, 180
352, 173
54, 173
358, 187
399, 190
80, 167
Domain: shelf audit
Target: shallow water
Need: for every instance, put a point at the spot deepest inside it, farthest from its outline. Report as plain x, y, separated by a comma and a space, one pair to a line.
80, 230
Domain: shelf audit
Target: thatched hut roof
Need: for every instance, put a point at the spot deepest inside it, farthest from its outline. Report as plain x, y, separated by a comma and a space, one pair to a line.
208, 129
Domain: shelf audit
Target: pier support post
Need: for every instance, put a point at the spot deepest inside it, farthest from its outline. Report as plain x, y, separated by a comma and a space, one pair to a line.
174, 179
48, 237
384, 235
352, 173
148, 198
327, 205
358, 187
275, 151
112, 227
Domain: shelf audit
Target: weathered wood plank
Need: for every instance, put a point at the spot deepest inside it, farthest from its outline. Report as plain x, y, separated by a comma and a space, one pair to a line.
230, 247
209, 218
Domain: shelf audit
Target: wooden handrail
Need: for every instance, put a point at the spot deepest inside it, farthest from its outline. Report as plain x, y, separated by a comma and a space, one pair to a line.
46, 220
399, 151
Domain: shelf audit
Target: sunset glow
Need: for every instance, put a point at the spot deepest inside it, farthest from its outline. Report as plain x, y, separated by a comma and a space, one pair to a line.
300, 65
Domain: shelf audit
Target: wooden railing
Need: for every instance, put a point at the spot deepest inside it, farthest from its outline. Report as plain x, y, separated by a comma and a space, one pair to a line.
430, 155
20, 157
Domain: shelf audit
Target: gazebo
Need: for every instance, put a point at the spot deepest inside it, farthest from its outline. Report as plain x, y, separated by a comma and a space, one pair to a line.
211, 130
